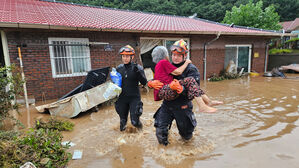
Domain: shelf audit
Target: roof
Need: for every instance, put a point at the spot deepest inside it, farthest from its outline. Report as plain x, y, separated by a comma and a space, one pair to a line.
290, 25
53, 15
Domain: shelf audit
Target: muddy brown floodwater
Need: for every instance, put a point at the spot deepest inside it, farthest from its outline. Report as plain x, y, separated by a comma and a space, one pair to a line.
257, 126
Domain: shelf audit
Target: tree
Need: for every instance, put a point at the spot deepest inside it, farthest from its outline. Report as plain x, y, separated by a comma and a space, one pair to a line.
252, 15
287, 9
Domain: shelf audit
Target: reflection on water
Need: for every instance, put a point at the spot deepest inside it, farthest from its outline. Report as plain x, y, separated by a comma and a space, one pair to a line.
255, 111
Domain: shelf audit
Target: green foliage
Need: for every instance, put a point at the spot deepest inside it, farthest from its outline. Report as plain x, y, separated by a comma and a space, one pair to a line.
14, 83
41, 146
34, 146
8, 135
253, 15
54, 124
279, 51
287, 9
292, 40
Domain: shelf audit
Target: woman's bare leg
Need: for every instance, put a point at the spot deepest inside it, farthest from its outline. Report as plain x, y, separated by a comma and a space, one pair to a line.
210, 102
203, 107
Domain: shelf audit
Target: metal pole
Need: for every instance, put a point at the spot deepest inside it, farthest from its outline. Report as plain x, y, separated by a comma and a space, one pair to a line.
24, 86
204, 62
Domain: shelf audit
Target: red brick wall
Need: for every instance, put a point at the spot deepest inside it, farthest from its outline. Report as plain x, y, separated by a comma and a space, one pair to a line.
37, 65
216, 52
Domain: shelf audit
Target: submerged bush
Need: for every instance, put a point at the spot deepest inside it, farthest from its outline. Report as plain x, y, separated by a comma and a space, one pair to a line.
55, 124
224, 75
41, 146
215, 78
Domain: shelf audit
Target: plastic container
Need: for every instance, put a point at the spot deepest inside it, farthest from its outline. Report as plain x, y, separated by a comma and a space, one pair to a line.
253, 74
115, 77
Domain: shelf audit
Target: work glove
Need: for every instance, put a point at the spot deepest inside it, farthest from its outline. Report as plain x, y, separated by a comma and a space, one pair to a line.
175, 85
156, 84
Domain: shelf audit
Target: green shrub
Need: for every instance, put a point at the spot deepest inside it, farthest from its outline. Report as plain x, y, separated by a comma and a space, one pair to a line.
292, 40
279, 51
35, 146
40, 146
54, 124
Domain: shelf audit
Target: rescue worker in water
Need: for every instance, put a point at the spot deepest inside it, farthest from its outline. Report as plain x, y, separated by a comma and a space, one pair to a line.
179, 109
129, 99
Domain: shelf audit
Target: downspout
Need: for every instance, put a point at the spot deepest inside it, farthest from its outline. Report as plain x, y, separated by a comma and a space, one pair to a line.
6, 56
205, 56
5, 49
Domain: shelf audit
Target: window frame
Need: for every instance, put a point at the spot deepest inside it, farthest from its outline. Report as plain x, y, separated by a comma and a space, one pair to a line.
237, 53
69, 55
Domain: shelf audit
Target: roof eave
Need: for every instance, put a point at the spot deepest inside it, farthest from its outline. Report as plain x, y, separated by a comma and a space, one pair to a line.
58, 27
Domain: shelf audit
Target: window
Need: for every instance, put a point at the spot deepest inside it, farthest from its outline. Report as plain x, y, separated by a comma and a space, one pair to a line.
69, 56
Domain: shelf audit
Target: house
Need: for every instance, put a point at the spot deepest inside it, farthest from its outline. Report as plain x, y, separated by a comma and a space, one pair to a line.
60, 42
291, 26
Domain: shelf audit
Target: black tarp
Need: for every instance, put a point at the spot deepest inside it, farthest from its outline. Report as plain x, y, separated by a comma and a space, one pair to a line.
93, 79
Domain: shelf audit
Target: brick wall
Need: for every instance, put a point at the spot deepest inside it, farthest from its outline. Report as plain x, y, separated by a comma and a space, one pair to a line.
216, 52
37, 65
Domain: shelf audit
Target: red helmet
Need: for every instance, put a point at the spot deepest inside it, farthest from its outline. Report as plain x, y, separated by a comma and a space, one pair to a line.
126, 50
179, 47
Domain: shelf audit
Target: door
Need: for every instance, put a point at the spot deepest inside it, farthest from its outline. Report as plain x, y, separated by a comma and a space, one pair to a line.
243, 58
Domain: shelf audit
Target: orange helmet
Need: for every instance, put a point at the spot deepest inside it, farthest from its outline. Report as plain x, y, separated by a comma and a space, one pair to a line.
126, 50
179, 47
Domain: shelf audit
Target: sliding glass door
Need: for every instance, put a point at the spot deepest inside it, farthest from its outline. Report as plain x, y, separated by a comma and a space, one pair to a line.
240, 54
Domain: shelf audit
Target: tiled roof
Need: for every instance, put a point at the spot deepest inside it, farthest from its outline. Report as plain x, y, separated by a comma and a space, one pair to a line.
41, 14
290, 25
286, 25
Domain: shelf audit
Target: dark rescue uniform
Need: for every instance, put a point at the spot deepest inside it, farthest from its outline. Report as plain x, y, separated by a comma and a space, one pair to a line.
129, 99
179, 110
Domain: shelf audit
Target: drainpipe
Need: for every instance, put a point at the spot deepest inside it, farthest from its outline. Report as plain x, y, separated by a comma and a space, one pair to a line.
5, 48
205, 55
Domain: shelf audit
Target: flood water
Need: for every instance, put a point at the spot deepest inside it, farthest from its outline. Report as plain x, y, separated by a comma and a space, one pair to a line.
257, 126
